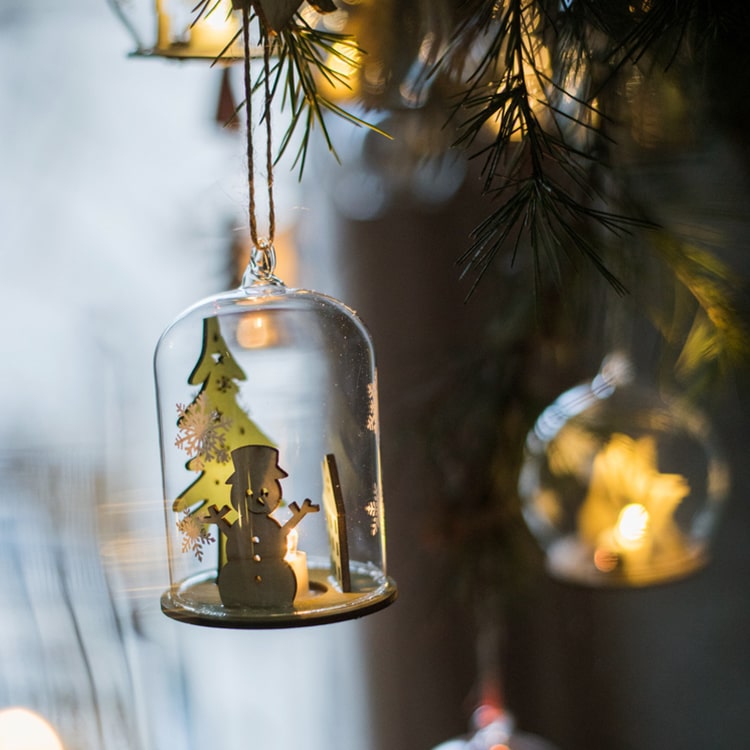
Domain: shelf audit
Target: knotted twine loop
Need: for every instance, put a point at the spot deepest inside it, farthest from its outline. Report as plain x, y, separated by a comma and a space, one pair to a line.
263, 261
263, 256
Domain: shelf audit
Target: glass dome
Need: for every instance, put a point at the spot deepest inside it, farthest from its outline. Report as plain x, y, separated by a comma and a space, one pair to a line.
620, 485
268, 414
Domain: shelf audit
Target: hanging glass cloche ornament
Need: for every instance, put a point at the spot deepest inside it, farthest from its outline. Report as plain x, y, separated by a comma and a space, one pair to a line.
620, 485
268, 416
270, 440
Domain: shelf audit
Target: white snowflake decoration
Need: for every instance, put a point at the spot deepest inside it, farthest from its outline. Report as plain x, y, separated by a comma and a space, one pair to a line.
373, 417
194, 534
373, 510
201, 430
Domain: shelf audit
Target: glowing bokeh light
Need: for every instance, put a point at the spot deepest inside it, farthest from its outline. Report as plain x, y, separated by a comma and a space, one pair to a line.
632, 525
21, 729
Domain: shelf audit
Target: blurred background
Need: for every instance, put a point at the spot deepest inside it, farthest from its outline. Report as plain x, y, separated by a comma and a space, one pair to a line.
121, 203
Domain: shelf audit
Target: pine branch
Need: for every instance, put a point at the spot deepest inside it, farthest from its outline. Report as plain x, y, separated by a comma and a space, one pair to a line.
301, 53
555, 223
530, 160
303, 56
544, 121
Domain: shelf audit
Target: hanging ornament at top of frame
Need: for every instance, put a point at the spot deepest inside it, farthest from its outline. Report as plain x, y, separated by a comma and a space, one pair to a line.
208, 29
270, 440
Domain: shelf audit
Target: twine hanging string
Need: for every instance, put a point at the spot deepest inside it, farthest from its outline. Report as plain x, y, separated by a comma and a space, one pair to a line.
262, 247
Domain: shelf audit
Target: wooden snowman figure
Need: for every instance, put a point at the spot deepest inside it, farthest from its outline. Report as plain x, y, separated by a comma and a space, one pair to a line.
255, 573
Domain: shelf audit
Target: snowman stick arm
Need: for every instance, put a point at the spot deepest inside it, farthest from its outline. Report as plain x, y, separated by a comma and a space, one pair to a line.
214, 515
299, 513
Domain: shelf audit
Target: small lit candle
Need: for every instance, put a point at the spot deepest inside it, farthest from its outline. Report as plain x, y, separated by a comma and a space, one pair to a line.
162, 26
628, 514
298, 562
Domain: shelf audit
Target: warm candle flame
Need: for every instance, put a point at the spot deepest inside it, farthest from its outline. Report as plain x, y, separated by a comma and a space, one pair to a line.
291, 544
632, 525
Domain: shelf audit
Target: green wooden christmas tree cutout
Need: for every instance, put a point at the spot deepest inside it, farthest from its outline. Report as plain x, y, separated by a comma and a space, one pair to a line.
210, 427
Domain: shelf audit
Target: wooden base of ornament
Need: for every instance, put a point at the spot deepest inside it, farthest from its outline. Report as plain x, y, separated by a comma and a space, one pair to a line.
196, 601
572, 561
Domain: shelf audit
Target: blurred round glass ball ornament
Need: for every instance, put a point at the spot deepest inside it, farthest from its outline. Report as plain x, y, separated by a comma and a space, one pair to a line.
620, 485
